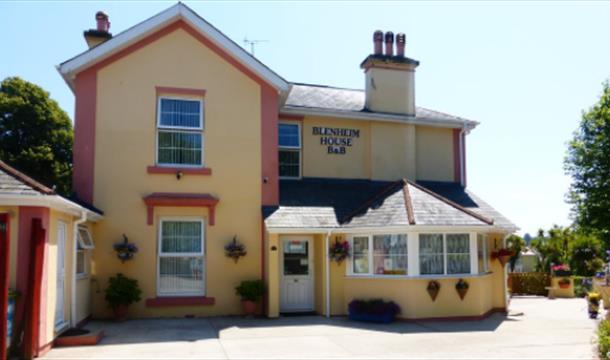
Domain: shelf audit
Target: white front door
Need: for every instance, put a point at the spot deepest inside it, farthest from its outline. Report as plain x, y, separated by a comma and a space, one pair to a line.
60, 319
296, 274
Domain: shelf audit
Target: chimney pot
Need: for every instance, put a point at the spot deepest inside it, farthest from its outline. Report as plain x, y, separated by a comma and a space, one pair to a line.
401, 40
389, 43
103, 24
377, 41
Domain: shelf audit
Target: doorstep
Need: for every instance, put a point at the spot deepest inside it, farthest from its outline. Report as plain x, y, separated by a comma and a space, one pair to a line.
79, 337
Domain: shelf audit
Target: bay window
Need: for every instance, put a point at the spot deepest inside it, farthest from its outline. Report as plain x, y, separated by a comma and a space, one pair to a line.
180, 132
181, 267
387, 257
482, 254
289, 143
444, 254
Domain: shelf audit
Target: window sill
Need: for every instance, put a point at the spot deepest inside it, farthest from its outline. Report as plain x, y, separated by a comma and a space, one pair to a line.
415, 277
180, 301
175, 169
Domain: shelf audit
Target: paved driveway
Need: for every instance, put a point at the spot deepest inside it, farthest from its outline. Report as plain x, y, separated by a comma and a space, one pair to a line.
553, 329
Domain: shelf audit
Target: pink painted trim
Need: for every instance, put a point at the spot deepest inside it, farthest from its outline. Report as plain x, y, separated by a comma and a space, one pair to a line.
180, 301
457, 167
180, 91
5, 243
291, 117
180, 200
269, 131
174, 170
84, 135
26, 214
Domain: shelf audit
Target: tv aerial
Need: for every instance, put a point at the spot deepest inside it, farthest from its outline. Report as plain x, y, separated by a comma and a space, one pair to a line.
253, 43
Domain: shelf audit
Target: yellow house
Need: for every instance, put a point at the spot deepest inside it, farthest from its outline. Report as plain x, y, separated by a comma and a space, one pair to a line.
49, 245
186, 142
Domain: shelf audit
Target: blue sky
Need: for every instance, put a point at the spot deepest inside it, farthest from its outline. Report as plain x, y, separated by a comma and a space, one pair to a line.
525, 70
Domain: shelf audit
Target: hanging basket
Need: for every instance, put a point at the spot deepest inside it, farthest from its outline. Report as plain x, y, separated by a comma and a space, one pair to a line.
125, 250
462, 288
235, 250
502, 255
339, 251
433, 288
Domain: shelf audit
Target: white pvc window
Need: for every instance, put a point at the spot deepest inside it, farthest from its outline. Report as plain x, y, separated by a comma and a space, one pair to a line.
180, 132
482, 254
85, 240
289, 154
181, 267
81, 262
444, 254
388, 256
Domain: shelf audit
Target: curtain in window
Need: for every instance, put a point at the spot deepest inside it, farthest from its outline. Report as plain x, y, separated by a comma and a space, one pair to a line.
431, 254
181, 266
390, 254
360, 259
180, 113
458, 254
179, 147
482, 254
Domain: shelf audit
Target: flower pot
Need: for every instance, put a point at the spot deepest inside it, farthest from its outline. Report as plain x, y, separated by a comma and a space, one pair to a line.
462, 292
433, 289
564, 285
120, 312
249, 307
503, 259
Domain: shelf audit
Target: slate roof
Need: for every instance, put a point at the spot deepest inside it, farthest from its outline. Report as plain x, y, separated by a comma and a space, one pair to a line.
308, 96
335, 203
14, 182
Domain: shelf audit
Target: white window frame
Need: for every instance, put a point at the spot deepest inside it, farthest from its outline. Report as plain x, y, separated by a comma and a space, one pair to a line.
195, 254
85, 273
485, 253
183, 129
298, 149
471, 249
81, 242
371, 256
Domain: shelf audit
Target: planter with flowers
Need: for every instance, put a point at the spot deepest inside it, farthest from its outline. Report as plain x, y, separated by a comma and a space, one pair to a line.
125, 250
561, 270
462, 288
339, 251
433, 288
502, 255
235, 250
375, 310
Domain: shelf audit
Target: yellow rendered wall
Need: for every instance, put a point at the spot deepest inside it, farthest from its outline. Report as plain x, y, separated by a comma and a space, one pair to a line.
272, 273
390, 90
317, 162
13, 213
434, 147
125, 146
319, 262
393, 151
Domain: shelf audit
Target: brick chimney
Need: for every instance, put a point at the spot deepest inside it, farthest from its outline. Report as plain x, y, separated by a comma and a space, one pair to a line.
389, 76
100, 34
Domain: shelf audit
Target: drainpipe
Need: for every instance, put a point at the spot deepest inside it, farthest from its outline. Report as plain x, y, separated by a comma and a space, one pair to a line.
462, 157
82, 219
327, 273
505, 277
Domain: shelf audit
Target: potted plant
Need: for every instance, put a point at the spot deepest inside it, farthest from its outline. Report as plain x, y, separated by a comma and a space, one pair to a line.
125, 250
593, 304
433, 289
564, 283
120, 293
503, 255
235, 250
462, 288
561, 270
339, 251
375, 310
250, 292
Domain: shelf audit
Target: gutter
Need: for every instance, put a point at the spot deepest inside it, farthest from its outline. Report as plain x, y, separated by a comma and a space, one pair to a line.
82, 219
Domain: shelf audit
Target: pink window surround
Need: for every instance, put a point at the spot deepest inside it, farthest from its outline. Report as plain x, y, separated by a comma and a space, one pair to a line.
174, 170
180, 301
180, 200
179, 91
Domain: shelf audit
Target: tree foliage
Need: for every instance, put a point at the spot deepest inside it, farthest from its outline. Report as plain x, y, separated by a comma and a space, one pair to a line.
516, 244
588, 163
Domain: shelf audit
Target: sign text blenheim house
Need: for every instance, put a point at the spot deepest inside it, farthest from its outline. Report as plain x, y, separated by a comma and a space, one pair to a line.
185, 141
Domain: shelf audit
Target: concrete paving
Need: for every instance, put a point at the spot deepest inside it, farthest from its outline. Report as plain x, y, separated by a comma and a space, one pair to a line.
548, 329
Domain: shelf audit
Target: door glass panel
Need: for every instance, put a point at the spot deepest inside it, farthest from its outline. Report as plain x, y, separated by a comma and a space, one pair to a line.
296, 258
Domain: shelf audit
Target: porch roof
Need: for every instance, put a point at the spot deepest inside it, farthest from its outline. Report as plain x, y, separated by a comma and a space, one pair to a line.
351, 204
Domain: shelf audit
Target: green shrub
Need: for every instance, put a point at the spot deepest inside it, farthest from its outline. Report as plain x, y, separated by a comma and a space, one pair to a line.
582, 285
122, 290
603, 333
252, 290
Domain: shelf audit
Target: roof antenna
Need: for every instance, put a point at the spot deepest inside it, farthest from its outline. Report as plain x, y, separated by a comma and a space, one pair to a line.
252, 43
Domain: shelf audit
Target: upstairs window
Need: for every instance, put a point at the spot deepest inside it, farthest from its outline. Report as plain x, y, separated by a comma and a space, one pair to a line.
289, 150
180, 132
